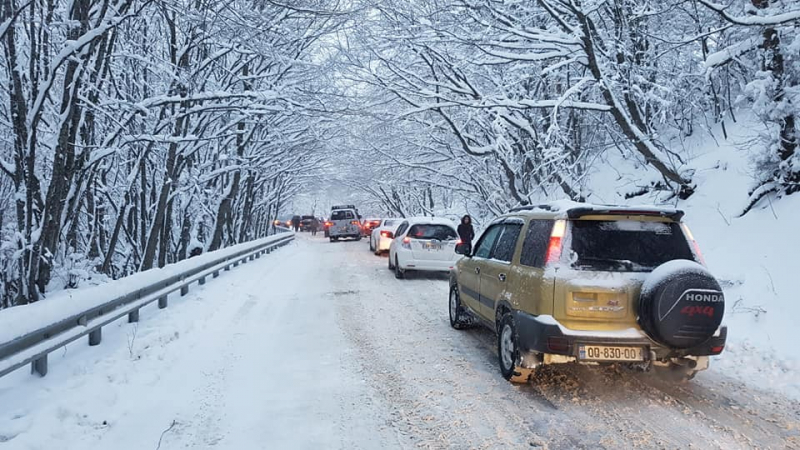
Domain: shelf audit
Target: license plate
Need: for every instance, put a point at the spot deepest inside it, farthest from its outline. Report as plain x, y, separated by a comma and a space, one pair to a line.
433, 246
610, 353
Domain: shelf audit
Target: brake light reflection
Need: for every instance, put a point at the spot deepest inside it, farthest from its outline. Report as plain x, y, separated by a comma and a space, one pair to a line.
554, 249
695, 246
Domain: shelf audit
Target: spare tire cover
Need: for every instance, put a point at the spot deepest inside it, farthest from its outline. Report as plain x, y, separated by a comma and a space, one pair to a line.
681, 304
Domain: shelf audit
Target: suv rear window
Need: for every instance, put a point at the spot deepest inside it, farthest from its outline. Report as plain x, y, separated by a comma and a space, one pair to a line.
342, 215
626, 245
432, 231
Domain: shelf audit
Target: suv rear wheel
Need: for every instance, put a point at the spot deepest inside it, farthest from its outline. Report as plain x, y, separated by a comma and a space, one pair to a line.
508, 352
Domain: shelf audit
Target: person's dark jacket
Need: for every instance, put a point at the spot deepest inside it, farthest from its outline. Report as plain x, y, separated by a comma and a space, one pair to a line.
466, 232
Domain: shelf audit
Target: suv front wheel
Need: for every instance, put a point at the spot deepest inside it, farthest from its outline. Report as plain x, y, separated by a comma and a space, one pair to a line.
508, 351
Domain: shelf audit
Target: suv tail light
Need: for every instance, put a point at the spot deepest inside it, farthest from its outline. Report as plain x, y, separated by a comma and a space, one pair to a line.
406, 242
556, 237
355, 222
695, 247
387, 234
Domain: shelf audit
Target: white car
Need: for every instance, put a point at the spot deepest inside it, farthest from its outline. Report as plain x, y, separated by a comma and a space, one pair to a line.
382, 236
424, 244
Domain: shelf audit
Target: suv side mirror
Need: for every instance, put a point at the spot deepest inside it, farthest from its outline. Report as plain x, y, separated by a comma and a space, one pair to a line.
462, 248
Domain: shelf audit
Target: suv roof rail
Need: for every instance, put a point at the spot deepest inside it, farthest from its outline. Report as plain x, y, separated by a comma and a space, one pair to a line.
575, 213
544, 206
343, 207
578, 210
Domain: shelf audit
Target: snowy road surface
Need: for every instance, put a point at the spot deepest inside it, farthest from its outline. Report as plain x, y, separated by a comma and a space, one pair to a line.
318, 346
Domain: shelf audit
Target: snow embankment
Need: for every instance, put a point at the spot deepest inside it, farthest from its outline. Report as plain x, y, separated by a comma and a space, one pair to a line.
20, 320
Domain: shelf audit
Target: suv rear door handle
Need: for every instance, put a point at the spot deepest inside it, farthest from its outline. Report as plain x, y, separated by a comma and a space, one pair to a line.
478, 270
502, 277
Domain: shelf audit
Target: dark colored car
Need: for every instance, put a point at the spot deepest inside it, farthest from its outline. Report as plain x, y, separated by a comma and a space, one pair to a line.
306, 222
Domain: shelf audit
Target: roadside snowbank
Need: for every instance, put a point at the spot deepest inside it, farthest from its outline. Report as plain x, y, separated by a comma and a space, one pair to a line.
20, 320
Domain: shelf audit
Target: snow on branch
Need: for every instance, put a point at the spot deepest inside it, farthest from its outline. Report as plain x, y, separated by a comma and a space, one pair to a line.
777, 19
730, 53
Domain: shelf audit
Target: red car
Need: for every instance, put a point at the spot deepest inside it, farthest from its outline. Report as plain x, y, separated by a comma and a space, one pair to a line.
368, 225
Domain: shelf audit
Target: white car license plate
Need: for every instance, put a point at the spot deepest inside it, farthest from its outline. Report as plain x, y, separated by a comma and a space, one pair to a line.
433, 246
610, 353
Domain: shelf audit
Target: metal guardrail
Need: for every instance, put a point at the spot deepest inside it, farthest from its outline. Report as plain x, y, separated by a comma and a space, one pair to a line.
33, 347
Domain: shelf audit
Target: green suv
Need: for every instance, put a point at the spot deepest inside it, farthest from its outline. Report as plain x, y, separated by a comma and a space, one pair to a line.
576, 283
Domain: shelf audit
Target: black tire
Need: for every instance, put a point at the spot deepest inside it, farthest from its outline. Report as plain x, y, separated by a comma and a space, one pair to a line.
681, 305
508, 351
398, 272
371, 247
391, 266
358, 238
331, 238
459, 318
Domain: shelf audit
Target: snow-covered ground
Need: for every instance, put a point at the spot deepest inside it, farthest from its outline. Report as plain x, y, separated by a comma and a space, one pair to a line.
318, 346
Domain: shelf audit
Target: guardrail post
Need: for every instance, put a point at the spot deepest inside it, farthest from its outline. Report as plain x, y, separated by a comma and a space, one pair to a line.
39, 366
184, 289
215, 274
202, 280
95, 336
228, 267
162, 302
236, 263
133, 316
252, 257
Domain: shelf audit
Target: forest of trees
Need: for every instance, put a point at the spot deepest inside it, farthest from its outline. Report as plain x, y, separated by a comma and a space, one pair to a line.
511, 102
133, 131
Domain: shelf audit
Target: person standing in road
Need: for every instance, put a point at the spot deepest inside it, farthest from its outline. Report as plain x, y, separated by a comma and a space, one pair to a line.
314, 226
465, 232
296, 223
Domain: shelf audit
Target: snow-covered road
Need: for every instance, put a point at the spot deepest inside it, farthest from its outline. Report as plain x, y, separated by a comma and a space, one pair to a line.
318, 346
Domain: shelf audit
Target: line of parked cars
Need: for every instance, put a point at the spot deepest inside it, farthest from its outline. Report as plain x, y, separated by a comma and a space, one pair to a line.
573, 283
425, 244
